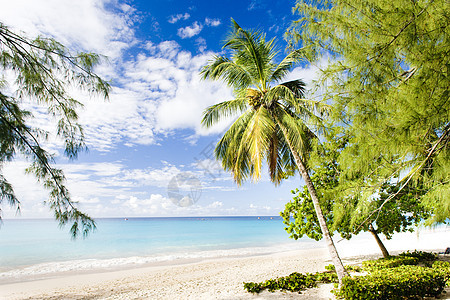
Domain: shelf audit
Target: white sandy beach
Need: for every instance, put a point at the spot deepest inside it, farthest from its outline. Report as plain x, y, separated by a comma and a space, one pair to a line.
212, 279
220, 278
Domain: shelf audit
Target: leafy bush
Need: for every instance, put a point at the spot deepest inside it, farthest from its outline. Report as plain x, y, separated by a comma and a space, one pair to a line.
443, 268
388, 262
295, 282
348, 268
421, 255
393, 283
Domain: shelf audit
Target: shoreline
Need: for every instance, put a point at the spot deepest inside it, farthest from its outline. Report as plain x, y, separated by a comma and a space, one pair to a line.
49, 270
218, 278
215, 277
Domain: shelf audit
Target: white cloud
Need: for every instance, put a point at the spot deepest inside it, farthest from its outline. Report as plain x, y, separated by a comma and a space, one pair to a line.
154, 93
216, 204
158, 205
175, 18
190, 31
257, 209
309, 75
101, 30
212, 22
169, 79
201, 44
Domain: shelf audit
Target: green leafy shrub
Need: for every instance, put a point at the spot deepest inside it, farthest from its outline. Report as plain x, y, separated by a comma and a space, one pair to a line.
348, 268
421, 255
393, 283
295, 282
388, 262
443, 268
330, 267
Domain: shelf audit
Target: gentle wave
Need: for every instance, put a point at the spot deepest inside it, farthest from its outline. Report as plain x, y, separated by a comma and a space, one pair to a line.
55, 268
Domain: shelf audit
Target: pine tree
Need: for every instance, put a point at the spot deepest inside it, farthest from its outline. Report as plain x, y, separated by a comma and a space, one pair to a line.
388, 79
43, 69
403, 213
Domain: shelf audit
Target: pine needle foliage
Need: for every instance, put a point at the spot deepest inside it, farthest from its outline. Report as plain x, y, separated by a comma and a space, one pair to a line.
403, 213
43, 71
388, 79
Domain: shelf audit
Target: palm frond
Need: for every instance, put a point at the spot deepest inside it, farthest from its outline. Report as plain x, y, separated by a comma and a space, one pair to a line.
297, 87
230, 151
286, 65
290, 95
233, 74
298, 134
272, 122
257, 138
253, 52
215, 113
278, 93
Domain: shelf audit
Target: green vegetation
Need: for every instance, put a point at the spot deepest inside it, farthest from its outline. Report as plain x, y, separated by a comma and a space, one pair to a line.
389, 262
443, 268
350, 268
295, 282
43, 69
388, 81
402, 213
402, 282
396, 277
420, 255
273, 117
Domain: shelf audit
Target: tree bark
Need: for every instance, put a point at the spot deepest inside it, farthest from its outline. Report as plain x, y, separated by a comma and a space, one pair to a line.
340, 270
339, 267
379, 242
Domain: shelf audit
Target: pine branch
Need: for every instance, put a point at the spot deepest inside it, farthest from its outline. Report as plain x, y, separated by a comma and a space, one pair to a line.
410, 176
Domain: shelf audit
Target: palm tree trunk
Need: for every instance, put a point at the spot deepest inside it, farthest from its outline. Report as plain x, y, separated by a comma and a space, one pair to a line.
379, 242
339, 267
340, 270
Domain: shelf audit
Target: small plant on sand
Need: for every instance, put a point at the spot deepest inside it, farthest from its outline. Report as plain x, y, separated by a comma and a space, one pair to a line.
295, 282
348, 268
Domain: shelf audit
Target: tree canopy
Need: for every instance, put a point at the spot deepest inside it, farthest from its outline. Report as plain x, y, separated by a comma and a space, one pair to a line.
40, 71
388, 80
400, 214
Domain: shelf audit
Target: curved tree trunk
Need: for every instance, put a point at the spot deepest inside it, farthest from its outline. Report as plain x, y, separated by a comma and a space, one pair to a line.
379, 242
340, 270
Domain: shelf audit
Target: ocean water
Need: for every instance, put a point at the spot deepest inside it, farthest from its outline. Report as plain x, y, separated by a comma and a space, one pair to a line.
31, 249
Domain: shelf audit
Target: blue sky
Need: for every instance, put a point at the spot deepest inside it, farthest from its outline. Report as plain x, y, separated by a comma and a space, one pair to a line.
149, 134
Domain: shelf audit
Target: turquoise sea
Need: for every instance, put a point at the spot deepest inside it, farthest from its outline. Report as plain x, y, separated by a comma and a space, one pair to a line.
31, 249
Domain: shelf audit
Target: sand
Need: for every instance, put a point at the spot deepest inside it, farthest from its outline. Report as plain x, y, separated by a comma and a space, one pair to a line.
212, 279
220, 278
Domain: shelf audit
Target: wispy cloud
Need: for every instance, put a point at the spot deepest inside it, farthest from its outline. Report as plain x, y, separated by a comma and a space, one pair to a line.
201, 44
256, 4
190, 31
212, 22
112, 188
155, 92
175, 18
102, 30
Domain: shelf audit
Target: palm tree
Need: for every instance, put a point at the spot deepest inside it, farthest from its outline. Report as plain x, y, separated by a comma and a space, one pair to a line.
271, 123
